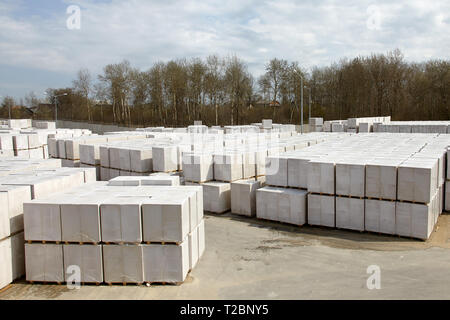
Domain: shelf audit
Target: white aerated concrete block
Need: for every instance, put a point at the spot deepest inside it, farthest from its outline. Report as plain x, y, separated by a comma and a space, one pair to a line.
121, 220
414, 220
228, 167
166, 263
298, 172
381, 179
165, 221
165, 158
141, 160
277, 171
217, 196
321, 176
12, 257
243, 197
350, 213
160, 180
380, 216
11, 208
350, 178
417, 180
42, 221
193, 248
80, 221
447, 196
123, 263
280, 204
89, 260
44, 262
198, 167
321, 210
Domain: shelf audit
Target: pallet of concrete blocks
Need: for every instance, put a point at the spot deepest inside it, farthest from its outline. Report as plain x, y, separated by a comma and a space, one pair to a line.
350, 213
243, 197
228, 166
152, 180
417, 220
6, 145
44, 262
321, 210
165, 158
198, 167
12, 199
316, 124
216, 196
12, 257
380, 216
321, 176
351, 178
381, 178
282, 205
277, 170
417, 180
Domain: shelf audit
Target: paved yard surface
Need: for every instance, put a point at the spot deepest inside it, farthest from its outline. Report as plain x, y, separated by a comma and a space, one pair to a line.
251, 259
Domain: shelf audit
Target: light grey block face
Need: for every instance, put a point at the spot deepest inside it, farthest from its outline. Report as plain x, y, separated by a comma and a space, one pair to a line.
350, 179
350, 213
121, 222
89, 260
277, 171
198, 167
104, 156
123, 263
417, 181
217, 196
44, 262
165, 158
321, 177
42, 221
228, 167
141, 160
284, 205
193, 249
381, 181
414, 220
80, 223
380, 216
165, 222
447, 196
321, 210
61, 145
6, 265
165, 263
298, 173
243, 197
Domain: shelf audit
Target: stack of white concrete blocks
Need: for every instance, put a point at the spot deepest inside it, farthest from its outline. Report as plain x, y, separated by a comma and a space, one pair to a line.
20, 182
414, 127
386, 183
315, 124
115, 234
355, 125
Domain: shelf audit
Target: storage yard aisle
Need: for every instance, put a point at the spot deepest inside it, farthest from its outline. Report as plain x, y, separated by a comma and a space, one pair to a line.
252, 259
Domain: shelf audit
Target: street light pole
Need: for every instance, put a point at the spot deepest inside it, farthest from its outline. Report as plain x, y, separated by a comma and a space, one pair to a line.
301, 98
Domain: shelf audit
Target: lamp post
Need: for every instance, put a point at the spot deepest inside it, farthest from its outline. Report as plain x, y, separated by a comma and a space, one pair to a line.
56, 105
309, 108
301, 98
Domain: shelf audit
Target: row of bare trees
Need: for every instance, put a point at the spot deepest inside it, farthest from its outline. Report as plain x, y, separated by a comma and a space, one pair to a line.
222, 91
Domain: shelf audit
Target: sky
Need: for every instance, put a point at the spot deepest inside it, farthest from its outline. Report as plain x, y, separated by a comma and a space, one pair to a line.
44, 43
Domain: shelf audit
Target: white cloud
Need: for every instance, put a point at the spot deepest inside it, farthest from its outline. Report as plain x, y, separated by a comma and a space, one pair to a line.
313, 33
